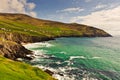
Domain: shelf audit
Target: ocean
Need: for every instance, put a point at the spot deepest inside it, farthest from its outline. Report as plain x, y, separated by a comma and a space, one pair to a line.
79, 58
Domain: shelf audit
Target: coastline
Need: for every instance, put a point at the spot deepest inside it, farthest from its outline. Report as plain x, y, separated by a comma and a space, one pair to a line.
51, 71
19, 29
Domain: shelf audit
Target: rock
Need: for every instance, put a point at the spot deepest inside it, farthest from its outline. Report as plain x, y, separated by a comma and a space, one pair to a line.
49, 72
60, 74
13, 50
23, 38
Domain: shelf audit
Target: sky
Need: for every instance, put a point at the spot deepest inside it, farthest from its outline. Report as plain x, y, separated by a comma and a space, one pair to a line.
103, 14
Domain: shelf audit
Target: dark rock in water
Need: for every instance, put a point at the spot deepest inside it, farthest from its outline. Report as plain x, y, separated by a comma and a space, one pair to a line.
61, 74
49, 72
55, 58
28, 58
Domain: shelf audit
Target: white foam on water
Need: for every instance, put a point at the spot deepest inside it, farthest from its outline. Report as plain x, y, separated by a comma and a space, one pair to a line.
37, 45
39, 52
63, 69
58, 62
75, 57
63, 52
87, 78
65, 77
57, 71
95, 57
69, 62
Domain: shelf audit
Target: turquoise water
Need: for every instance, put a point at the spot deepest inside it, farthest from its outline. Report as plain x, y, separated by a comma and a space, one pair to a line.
80, 58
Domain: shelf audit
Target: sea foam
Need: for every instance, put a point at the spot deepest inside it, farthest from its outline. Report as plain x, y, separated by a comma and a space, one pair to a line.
75, 57
56, 72
37, 45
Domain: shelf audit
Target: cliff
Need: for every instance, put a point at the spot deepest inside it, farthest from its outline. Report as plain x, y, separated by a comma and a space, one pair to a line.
13, 50
23, 38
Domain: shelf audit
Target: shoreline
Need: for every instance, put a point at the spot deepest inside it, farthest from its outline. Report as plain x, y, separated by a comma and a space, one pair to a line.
80, 57
50, 71
20, 29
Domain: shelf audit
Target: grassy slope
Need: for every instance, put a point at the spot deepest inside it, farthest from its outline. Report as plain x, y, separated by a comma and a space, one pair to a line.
11, 70
31, 26
24, 27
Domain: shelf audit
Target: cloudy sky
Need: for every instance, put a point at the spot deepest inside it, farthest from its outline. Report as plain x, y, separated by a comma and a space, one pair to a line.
104, 14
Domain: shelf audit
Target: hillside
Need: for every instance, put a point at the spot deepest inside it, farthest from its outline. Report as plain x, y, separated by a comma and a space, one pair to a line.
20, 24
16, 29
12, 70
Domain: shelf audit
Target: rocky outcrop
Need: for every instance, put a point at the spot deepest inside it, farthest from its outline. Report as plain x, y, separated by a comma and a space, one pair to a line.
23, 38
49, 72
13, 50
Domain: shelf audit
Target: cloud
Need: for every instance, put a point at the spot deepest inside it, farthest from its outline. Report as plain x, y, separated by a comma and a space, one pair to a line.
72, 10
32, 13
31, 6
108, 20
17, 6
100, 6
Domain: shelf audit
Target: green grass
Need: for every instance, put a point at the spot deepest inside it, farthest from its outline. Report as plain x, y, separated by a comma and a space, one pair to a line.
37, 27
46, 30
11, 70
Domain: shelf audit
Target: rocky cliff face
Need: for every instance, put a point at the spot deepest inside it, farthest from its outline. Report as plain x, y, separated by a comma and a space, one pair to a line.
13, 50
23, 38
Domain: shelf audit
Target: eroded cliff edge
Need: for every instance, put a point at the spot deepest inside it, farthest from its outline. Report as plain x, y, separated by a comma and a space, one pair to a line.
13, 50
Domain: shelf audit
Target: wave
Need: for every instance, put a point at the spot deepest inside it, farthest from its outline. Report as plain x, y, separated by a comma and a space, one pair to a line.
59, 73
37, 45
82, 57
75, 57
95, 57
63, 52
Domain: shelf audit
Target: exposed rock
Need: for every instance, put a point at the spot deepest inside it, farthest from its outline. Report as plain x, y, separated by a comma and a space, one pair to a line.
49, 72
13, 50
23, 38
